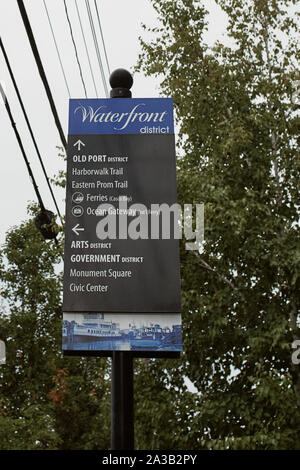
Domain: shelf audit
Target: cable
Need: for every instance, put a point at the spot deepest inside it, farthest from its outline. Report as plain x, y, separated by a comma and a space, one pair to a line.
75, 48
27, 122
41, 70
102, 37
22, 149
96, 46
56, 46
86, 48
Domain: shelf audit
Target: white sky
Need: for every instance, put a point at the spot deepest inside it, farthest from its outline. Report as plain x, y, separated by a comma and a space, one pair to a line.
121, 23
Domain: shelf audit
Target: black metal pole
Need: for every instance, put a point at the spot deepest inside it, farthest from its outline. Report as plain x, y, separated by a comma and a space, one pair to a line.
122, 406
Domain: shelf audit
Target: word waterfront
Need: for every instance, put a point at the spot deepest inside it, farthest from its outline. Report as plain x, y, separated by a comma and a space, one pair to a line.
101, 115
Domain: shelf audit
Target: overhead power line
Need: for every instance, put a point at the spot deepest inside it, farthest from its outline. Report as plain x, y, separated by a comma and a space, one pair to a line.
102, 37
28, 123
96, 46
41, 70
75, 48
86, 48
22, 149
57, 50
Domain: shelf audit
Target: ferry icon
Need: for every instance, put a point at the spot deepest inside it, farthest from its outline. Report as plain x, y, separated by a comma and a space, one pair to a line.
77, 198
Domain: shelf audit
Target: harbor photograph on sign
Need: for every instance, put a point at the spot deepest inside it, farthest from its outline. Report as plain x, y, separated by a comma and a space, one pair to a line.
119, 332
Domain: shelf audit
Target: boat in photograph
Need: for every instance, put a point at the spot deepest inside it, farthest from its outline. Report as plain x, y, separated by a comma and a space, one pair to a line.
93, 328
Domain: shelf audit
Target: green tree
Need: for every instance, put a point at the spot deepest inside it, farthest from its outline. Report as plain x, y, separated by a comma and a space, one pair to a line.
236, 109
46, 401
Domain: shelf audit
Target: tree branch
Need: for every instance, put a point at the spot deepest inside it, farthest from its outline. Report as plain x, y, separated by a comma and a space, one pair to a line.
223, 278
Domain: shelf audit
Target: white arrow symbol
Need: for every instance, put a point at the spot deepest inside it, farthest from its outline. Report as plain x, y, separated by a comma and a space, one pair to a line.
77, 229
79, 143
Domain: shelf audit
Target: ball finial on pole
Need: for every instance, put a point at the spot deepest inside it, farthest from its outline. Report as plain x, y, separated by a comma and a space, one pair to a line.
120, 81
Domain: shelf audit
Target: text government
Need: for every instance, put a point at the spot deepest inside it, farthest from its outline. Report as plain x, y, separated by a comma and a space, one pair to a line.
105, 258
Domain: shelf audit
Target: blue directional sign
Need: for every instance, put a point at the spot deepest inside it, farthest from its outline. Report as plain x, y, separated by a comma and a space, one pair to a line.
121, 170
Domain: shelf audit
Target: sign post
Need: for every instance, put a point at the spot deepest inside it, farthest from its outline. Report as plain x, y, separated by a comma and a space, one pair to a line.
122, 405
121, 268
122, 385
